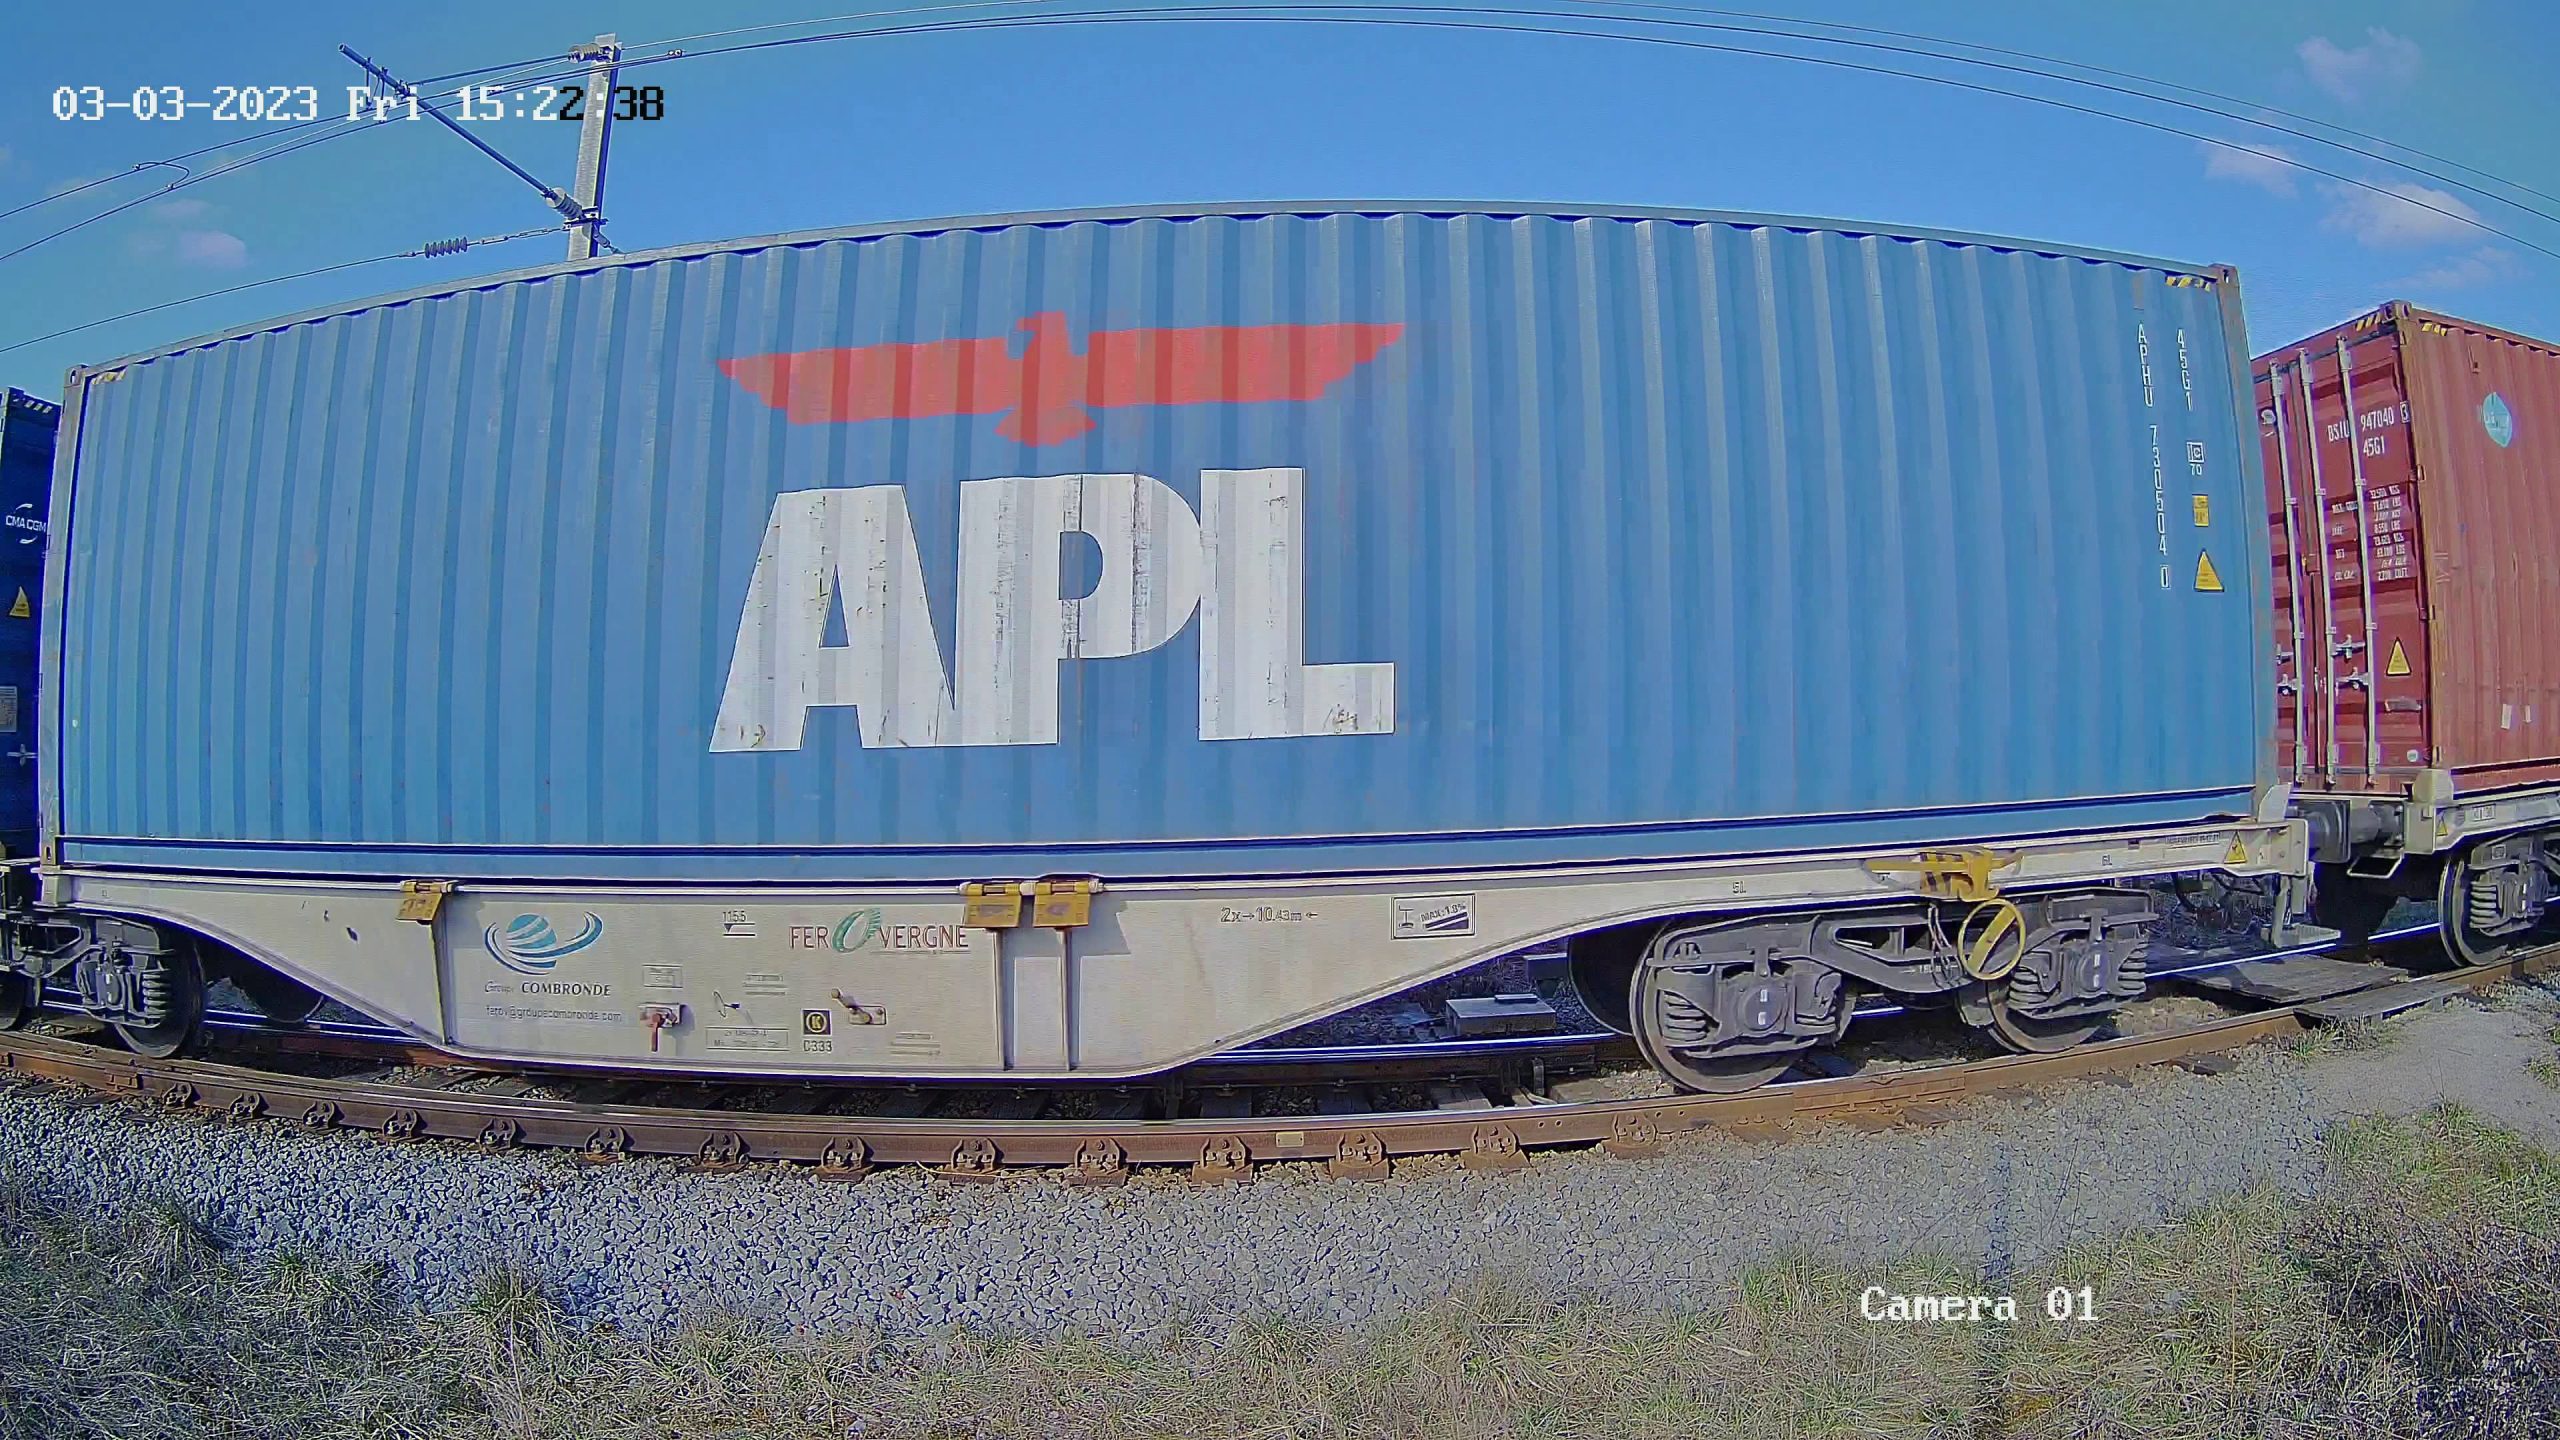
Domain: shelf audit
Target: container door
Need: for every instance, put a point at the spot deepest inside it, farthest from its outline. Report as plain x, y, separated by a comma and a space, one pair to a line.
2488, 432
2350, 595
27, 428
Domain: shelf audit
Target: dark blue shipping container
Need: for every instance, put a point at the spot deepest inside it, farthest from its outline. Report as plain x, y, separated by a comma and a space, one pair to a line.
27, 427
1248, 541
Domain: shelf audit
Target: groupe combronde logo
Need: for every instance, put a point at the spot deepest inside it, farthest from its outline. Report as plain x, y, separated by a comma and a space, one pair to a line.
529, 946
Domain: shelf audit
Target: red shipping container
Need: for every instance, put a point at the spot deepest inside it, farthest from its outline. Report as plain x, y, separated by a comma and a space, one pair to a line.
2413, 481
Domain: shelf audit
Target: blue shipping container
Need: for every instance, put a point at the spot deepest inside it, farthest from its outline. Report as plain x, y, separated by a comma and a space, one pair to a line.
1247, 541
26, 480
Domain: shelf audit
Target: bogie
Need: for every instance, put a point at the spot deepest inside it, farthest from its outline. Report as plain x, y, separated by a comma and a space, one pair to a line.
2498, 895
143, 980
1728, 1004
167, 1004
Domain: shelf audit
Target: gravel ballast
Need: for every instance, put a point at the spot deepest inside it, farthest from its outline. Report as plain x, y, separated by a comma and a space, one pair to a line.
2008, 1182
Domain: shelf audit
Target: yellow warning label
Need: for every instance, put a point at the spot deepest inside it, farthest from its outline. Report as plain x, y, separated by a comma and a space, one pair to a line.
21, 610
2204, 510
2206, 579
2399, 660
2238, 854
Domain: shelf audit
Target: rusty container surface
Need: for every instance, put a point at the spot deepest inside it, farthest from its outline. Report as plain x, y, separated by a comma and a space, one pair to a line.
2413, 477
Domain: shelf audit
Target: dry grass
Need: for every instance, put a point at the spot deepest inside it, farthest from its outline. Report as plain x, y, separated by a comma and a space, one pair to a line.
2467, 1298
2420, 1295
2340, 1039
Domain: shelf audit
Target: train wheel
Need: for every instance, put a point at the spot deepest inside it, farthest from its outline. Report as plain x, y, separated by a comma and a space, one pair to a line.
2354, 908
17, 1000
1720, 1075
180, 981
2487, 902
2029, 1035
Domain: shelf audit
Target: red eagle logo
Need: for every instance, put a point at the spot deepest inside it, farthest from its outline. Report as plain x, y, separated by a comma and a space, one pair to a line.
1047, 392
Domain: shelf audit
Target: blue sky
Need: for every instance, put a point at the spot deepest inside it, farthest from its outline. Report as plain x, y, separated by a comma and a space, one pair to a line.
860, 131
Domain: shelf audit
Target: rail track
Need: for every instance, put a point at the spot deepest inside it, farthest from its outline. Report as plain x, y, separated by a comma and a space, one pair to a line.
1106, 1134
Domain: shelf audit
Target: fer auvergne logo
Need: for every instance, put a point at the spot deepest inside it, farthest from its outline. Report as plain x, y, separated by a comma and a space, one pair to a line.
1046, 393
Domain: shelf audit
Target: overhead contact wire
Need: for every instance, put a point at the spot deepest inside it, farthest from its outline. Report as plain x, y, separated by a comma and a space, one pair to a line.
435, 249
1378, 15
274, 139
2225, 98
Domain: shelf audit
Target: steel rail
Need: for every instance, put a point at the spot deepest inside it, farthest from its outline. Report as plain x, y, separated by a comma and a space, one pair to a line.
1101, 1151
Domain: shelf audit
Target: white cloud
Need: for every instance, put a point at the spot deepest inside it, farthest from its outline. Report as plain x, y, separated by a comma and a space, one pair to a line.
2397, 213
2265, 166
2484, 266
212, 249
165, 234
2383, 62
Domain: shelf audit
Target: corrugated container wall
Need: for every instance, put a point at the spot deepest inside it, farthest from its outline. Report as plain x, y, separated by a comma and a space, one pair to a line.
1231, 542
27, 427
2450, 432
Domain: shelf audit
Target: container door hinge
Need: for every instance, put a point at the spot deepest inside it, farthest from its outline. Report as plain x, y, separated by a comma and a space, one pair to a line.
1064, 902
991, 904
421, 899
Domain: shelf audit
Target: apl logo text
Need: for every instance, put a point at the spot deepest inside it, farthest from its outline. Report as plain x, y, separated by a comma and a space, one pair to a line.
529, 946
1239, 563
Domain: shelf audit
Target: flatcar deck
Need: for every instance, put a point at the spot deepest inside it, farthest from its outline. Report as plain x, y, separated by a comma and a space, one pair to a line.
1101, 1145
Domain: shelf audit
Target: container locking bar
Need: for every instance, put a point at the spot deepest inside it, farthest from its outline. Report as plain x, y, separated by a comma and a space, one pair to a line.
991, 904
1064, 902
1950, 874
421, 899
1990, 937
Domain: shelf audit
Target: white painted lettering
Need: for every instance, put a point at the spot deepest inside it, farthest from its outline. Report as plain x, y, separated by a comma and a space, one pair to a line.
1015, 628
821, 546
1240, 564
1255, 683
